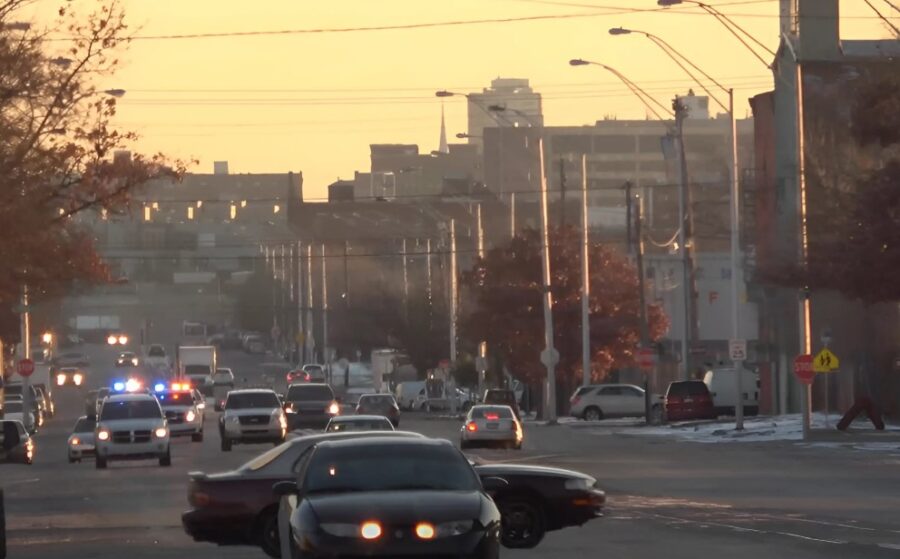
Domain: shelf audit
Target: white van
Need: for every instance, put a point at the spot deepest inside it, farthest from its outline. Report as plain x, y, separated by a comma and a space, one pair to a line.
410, 395
722, 385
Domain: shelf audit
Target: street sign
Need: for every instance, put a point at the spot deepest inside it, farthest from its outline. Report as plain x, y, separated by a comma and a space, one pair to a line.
25, 367
550, 357
646, 358
825, 362
737, 350
803, 368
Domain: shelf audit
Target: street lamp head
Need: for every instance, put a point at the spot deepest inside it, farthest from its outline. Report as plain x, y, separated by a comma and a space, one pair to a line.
667, 3
496, 108
115, 92
443, 93
461, 135
619, 31
578, 62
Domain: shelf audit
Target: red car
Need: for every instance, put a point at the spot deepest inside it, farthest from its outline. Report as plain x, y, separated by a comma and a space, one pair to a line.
689, 399
297, 375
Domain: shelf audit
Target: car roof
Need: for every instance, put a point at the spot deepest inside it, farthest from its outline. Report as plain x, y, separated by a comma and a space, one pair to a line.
130, 398
322, 437
251, 391
358, 417
491, 406
311, 384
386, 440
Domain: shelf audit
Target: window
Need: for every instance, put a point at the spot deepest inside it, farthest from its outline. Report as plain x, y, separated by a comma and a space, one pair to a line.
632, 391
500, 412
247, 400
614, 144
611, 391
584, 390
85, 425
320, 392
130, 409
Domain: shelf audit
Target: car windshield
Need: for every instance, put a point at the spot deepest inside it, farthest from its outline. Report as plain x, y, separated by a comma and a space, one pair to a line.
314, 370
84, 425
245, 400
130, 409
491, 412
361, 424
156, 351
379, 401
12, 407
306, 392
694, 388
385, 467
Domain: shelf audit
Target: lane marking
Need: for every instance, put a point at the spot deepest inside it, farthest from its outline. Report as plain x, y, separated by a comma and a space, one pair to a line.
802, 537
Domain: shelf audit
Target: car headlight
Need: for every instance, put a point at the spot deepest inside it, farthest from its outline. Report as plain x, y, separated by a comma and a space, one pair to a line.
134, 361
190, 415
77, 378
60, 380
103, 435
580, 484
341, 530
453, 528
334, 408
161, 432
74, 441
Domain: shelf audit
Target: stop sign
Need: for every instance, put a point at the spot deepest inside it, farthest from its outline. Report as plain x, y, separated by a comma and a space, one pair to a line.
803, 368
646, 358
25, 367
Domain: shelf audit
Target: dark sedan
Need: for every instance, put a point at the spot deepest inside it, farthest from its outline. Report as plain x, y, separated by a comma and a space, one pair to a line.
238, 507
389, 497
379, 404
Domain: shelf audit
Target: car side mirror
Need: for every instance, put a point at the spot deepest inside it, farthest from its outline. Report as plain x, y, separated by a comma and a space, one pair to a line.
494, 483
285, 488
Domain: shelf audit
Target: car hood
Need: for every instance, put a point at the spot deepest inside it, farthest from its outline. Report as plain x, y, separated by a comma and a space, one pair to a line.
249, 411
131, 424
177, 407
402, 507
501, 470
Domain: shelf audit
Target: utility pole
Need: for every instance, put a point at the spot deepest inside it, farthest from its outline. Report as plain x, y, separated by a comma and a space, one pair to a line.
453, 294
549, 356
805, 319
428, 267
480, 232
735, 264
26, 349
346, 275
585, 280
686, 244
325, 353
405, 280
562, 192
628, 219
512, 215
301, 330
310, 340
642, 296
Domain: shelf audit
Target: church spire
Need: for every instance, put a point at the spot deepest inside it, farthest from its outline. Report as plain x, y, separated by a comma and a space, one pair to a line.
443, 147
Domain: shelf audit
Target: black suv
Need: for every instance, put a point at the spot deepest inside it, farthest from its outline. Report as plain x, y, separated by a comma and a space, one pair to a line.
310, 404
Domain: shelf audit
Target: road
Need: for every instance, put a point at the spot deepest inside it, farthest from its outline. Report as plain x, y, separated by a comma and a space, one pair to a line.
666, 498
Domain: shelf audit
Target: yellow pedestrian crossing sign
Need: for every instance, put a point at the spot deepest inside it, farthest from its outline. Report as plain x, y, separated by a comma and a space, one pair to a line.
825, 362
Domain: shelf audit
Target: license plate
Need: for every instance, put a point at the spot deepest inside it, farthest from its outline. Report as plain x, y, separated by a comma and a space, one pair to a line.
688, 400
492, 425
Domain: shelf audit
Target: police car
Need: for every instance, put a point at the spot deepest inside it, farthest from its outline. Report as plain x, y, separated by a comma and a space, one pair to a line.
131, 426
183, 407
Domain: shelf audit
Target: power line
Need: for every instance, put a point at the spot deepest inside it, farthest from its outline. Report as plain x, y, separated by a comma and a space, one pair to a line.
884, 19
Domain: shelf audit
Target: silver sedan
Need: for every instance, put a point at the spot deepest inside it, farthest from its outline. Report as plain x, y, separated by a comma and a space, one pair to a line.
491, 426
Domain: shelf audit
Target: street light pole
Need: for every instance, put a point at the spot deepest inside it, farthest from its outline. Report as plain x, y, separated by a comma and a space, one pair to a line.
585, 280
549, 357
453, 296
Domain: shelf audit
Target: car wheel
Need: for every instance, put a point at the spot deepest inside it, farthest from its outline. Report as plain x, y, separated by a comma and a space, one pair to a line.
522, 523
226, 445
593, 413
166, 459
267, 532
197, 437
71, 460
100, 462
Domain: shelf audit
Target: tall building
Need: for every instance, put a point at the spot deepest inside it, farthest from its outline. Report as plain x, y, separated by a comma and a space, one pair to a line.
509, 102
399, 170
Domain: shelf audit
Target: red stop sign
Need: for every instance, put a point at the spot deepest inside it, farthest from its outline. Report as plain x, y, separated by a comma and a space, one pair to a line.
25, 367
803, 368
646, 358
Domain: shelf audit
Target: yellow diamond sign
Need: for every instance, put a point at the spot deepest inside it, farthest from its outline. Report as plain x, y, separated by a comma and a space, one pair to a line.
825, 362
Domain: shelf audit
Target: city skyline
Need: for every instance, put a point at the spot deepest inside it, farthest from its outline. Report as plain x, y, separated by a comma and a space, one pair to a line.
258, 103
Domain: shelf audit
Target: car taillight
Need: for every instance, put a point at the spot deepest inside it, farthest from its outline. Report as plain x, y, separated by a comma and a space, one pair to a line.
199, 499
471, 426
575, 400
673, 400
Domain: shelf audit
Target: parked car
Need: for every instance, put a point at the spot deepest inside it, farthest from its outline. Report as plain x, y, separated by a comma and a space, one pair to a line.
14, 410
379, 404
489, 425
689, 399
411, 395
46, 403
601, 401
16, 445
722, 384
502, 397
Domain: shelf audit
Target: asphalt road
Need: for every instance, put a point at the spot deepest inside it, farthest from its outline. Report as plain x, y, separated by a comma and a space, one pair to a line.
666, 499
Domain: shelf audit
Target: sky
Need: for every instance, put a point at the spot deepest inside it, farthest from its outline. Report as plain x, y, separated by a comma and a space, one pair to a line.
313, 102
